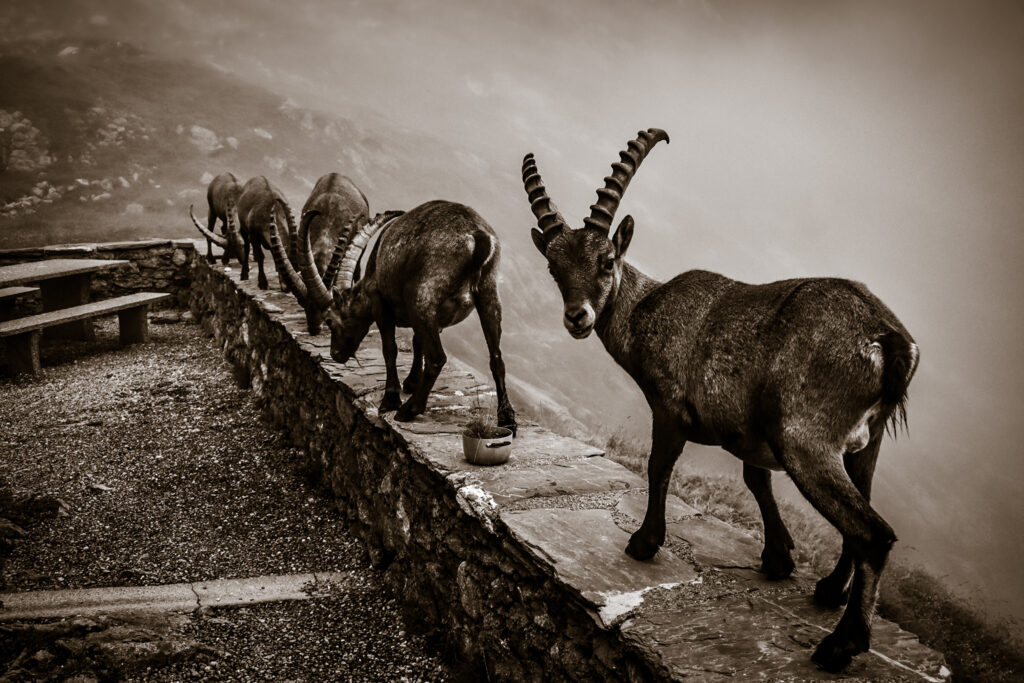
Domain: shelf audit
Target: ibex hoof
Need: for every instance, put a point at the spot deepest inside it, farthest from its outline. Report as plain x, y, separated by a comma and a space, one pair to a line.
210, 258
507, 419
641, 548
829, 593
407, 413
837, 650
777, 565
388, 403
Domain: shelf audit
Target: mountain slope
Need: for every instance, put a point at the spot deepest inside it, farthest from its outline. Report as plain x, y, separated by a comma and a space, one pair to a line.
112, 142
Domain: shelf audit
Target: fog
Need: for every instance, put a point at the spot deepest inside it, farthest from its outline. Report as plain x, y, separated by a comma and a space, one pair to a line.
873, 140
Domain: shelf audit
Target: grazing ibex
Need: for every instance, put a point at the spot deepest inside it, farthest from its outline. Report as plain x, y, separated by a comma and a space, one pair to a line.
222, 193
798, 375
429, 269
334, 209
260, 209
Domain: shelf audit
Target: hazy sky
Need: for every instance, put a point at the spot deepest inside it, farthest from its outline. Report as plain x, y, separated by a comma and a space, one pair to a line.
882, 141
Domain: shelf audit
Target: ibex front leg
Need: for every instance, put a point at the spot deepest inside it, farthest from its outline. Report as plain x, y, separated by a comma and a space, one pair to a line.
666, 445
434, 359
392, 398
211, 223
776, 560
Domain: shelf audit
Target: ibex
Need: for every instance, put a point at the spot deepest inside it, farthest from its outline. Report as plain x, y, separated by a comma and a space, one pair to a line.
798, 375
429, 269
222, 192
260, 209
335, 207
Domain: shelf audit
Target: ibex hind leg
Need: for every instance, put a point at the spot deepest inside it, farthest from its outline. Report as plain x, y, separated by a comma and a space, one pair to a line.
488, 308
833, 590
245, 258
416, 372
818, 473
261, 275
776, 559
666, 445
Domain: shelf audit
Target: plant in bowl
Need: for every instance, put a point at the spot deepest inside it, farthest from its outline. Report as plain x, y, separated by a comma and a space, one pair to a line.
485, 443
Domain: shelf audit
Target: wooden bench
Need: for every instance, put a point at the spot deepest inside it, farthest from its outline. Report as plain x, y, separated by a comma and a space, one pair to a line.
22, 334
8, 295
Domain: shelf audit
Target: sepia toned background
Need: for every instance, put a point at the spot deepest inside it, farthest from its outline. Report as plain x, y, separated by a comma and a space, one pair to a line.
879, 141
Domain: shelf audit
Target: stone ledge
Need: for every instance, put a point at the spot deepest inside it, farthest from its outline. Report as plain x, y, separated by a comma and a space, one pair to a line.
521, 566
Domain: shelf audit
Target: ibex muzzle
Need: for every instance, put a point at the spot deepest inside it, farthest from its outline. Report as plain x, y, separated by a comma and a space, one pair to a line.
801, 375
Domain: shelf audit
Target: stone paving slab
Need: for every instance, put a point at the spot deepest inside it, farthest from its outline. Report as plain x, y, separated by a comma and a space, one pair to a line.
591, 475
634, 504
170, 597
585, 548
751, 636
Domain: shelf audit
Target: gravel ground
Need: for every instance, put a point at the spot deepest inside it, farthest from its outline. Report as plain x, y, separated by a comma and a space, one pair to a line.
168, 475
319, 640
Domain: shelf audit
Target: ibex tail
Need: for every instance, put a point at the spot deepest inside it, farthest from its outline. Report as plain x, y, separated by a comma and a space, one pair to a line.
900, 361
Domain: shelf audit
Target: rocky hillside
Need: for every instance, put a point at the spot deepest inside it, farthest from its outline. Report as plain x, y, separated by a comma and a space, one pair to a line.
101, 139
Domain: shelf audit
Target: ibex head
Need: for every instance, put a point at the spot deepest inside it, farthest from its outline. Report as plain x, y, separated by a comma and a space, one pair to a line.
586, 264
348, 309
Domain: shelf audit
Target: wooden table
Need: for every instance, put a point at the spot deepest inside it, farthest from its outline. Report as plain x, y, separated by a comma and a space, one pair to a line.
63, 282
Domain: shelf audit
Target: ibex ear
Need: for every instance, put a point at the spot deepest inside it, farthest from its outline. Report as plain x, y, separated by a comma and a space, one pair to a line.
623, 234
539, 241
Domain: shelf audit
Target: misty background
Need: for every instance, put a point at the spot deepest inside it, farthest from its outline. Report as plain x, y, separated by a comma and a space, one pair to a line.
877, 141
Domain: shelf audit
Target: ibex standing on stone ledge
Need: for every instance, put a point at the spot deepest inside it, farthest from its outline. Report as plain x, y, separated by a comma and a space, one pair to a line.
429, 269
334, 210
221, 194
260, 209
799, 375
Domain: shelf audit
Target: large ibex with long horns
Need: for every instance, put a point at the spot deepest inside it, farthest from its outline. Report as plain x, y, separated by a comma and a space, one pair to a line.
334, 210
260, 209
428, 270
798, 375
221, 194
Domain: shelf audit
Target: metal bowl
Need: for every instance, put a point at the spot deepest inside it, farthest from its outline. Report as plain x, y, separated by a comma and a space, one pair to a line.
488, 451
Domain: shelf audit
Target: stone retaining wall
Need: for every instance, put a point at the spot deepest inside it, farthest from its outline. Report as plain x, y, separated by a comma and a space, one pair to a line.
521, 567
155, 265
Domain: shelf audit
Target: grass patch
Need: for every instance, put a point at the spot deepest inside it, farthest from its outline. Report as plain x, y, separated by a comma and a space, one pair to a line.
977, 646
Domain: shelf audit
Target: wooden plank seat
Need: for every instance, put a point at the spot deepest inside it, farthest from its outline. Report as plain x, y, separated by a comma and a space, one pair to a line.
8, 297
22, 334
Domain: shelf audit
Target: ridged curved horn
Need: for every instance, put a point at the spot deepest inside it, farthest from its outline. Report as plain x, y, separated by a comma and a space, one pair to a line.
219, 240
548, 217
284, 266
358, 244
292, 232
317, 290
334, 265
609, 196
234, 233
